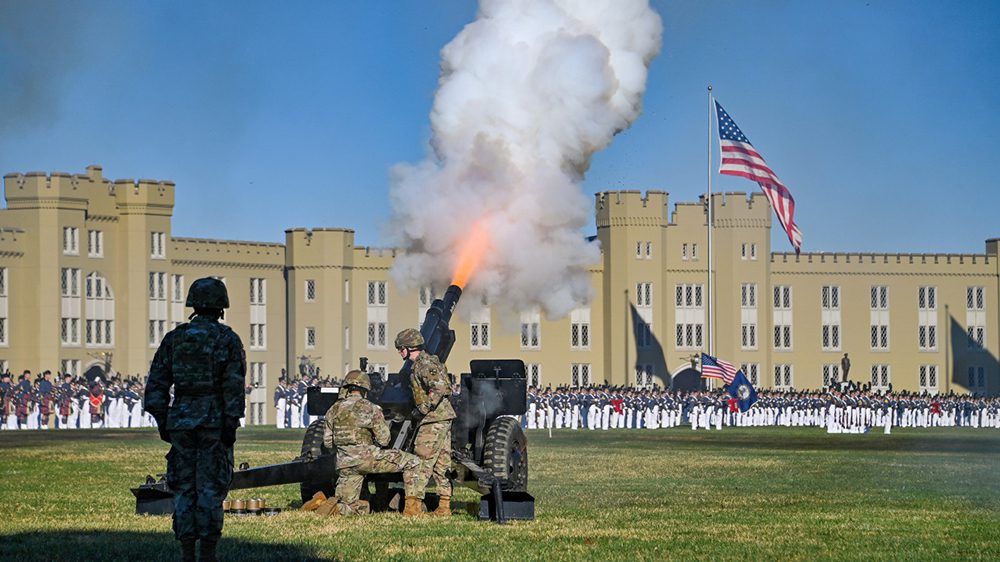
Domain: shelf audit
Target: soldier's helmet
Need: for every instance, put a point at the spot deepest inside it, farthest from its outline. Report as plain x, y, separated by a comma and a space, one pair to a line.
358, 379
409, 337
207, 293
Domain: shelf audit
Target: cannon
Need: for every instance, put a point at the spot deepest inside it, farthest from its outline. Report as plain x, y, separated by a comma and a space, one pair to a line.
489, 448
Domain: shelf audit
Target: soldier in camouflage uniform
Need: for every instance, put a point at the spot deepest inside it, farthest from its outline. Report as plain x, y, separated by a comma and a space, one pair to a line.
431, 392
358, 431
205, 363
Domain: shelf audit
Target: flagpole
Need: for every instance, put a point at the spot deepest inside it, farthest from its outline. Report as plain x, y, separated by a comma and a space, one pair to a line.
708, 199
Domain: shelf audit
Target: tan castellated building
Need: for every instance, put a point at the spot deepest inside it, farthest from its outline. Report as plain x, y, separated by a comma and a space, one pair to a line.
91, 274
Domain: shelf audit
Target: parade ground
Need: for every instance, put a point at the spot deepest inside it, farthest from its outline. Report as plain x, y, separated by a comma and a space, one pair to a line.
740, 493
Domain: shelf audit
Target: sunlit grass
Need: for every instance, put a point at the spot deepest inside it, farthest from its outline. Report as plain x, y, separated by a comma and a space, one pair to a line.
753, 494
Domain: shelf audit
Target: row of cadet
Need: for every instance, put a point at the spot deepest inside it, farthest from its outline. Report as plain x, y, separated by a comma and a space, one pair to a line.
847, 411
70, 403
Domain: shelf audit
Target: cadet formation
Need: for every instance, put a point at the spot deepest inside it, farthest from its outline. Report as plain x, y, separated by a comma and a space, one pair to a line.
848, 409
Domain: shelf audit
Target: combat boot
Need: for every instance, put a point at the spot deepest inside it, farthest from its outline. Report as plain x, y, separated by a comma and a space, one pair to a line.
330, 508
444, 506
207, 551
414, 507
187, 549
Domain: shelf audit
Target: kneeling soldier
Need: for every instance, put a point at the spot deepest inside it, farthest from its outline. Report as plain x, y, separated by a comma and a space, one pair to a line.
358, 430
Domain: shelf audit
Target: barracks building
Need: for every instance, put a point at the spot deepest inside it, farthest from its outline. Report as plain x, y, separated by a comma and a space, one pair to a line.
92, 275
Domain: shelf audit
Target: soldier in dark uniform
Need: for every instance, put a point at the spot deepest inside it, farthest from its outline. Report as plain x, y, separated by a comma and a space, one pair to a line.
205, 363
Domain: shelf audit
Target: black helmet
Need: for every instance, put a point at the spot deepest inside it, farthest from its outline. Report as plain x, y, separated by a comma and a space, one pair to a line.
208, 292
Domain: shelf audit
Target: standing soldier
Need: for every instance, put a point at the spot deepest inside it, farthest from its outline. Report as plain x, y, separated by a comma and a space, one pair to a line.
431, 393
357, 430
205, 363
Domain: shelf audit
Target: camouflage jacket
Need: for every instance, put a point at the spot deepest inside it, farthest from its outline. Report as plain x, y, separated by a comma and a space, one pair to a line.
431, 389
356, 428
205, 363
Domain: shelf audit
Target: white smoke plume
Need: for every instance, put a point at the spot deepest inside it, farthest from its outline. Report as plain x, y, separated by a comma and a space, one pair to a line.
528, 92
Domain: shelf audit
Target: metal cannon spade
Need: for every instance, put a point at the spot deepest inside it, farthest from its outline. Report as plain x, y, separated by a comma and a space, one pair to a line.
489, 448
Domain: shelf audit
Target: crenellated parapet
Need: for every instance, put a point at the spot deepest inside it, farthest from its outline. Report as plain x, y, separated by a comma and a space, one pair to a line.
735, 209
631, 208
226, 253
319, 247
144, 197
883, 263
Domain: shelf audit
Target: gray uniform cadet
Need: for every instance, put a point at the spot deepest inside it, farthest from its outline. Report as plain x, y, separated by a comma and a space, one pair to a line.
357, 429
205, 363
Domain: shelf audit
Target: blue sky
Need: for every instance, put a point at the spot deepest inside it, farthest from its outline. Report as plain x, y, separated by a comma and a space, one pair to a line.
877, 115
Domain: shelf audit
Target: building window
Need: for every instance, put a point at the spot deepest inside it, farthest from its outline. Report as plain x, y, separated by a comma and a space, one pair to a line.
347, 338
258, 336
929, 379
377, 335
479, 336
689, 316
694, 250
158, 245
377, 294
977, 380
310, 338
743, 251
644, 376
258, 373
684, 251
649, 250
70, 282
753, 251
534, 375
530, 330
99, 327
748, 316
157, 286
311, 290
975, 317
880, 377
71, 367
579, 329
782, 317
638, 250
831, 337
831, 374
644, 295
177, 284
95, 243
71, 240
157, 329
879, 315
782, 377
347, 291
3, 332
580, 374
3, 282
258, 290
927, 318
752, 372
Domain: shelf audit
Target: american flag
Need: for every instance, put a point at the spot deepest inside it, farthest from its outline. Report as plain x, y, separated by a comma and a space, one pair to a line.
739, 158
715, 368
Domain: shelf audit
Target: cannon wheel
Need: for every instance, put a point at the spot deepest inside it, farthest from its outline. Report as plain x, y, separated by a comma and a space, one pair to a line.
312, 444
506, 453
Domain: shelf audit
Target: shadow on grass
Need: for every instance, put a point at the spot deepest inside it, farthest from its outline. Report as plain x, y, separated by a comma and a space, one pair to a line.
119, 545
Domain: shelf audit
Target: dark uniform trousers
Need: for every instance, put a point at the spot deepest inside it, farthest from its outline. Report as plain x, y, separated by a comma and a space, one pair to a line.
199, 471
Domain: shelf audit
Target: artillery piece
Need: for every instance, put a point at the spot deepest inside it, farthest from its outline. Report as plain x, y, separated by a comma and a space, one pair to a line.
489, 448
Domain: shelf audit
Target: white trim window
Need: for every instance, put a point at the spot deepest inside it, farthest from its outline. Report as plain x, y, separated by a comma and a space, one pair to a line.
95, 244
310, 342
927, 318
158, 245
880, 377
534, 372
579, 329
689, 316
748, 316
783, 377
782, 318
71, 241
310, 290
975, 318
929, 379
752, 372
531, 337
831, 374
580, 374
879, 318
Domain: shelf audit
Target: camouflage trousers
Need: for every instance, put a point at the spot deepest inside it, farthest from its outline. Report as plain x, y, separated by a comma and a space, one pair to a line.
433, 445
199, 471
372, 461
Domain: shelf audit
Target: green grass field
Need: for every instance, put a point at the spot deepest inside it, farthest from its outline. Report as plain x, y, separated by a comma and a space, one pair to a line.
752, 494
